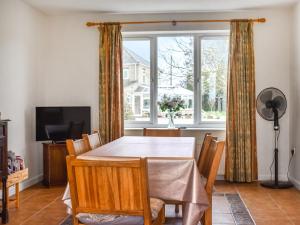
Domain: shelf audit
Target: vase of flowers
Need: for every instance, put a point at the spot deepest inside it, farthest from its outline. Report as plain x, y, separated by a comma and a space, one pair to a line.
171, 105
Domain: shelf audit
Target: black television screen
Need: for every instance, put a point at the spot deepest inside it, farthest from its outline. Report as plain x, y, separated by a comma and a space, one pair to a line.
60, 123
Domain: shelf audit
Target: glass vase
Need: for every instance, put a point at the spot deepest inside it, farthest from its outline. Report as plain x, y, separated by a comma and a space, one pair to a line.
171, 124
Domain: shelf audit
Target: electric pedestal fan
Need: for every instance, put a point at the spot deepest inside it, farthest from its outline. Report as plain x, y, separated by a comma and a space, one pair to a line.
271, 105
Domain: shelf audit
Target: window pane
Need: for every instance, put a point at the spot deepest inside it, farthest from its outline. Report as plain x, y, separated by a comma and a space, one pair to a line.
214, 60
176, 75
136, 78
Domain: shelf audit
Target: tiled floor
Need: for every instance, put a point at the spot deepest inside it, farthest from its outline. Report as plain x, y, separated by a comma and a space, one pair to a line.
40, 205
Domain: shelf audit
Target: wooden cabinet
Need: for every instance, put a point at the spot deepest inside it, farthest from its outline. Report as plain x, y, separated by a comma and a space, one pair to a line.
3, 168
55, 169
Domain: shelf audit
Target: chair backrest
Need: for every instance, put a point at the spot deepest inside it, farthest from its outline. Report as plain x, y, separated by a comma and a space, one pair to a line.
212, 163
93, 140
117, 187
204, 150
77, 147
176, 132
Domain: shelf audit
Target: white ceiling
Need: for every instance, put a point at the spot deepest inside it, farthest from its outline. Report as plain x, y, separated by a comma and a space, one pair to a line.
138, 6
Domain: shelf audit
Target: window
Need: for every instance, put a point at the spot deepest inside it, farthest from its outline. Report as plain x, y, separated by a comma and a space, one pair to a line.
125, 74
214, 57
190, 66
136, 79
175, 75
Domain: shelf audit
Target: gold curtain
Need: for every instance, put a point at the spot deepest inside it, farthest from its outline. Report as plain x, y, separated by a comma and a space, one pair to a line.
241, 154
110, 83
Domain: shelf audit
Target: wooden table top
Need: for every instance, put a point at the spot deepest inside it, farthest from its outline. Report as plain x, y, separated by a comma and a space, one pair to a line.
150, 147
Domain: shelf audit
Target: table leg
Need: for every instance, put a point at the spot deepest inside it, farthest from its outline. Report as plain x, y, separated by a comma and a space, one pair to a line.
17, 194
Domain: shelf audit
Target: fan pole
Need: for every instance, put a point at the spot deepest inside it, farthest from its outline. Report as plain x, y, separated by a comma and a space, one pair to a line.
276, 133
276, 165
276, 184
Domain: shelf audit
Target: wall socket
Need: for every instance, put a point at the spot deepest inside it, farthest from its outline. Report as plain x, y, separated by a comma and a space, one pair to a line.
293, 151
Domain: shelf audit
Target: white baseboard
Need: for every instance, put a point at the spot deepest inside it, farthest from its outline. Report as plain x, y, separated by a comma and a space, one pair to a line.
220, 177
27, 183
295, 182
282, 177
260, 177
31, 181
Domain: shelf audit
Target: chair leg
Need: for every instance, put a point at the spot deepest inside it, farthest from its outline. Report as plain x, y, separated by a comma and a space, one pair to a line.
176, 208
207, 217
75, 221
163, 214
7, 196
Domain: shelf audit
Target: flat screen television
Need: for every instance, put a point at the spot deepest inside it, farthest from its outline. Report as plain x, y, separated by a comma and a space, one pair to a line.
60, 123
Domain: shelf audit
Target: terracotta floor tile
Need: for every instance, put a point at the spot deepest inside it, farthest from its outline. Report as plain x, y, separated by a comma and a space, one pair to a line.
292, 213
269, 215
273, 222
296, 222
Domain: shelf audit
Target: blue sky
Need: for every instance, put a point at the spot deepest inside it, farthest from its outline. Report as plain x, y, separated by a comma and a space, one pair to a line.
140, 47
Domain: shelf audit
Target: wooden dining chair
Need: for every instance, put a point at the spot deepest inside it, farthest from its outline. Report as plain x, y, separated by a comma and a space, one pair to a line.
210, 170
77, 147
93, 140
155, 132
204, 151
112, 191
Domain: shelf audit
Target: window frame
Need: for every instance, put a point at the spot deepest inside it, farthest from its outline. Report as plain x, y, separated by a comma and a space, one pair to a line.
152, 37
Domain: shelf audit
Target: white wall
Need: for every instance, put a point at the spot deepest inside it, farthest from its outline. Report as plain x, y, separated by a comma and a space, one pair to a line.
21, 58
295, 94
72, 72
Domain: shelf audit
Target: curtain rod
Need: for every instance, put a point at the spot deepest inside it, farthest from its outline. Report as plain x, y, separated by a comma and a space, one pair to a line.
174, 22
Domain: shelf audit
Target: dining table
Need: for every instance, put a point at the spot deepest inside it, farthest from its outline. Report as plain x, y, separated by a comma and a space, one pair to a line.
172, 170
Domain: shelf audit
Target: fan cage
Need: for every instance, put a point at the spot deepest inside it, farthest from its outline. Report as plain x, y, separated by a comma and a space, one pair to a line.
260, 105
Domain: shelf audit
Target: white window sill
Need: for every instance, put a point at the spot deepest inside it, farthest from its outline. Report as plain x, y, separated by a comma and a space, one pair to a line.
188, 128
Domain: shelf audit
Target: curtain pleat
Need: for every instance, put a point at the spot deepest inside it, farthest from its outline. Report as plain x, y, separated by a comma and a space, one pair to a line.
241, 153
111, 119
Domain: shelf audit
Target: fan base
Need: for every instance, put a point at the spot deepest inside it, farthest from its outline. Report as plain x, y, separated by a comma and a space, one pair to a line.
279, 185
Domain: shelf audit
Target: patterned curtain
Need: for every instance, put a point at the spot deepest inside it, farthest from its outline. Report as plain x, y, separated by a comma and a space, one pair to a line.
241, 155
110, 83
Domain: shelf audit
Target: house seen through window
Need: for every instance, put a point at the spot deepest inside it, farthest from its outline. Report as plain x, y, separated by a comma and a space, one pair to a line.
192, 67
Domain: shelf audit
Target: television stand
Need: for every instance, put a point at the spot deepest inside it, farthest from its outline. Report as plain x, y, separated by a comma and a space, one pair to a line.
55, 169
